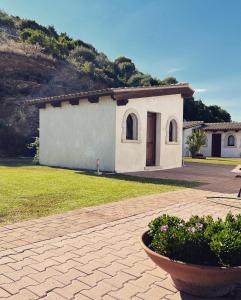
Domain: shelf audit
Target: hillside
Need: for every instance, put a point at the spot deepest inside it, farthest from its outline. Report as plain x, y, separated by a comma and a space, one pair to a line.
36, 61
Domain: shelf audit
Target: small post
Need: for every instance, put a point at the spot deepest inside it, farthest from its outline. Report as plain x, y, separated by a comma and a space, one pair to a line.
239, 193
98, 167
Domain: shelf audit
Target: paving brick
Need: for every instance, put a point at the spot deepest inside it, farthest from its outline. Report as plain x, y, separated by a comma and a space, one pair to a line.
93, 278
127, 292
43, 276
108, 297
80, 296
98, 291
4, 293
4, 279
145, 281
44, 265
24, 294
92, 266
44, 288
53, 296
154, 292
21, 264
72, 289
158, 272
17, 275
113, 268
138, 269
16, 286
67, 277
167, 284
119, 279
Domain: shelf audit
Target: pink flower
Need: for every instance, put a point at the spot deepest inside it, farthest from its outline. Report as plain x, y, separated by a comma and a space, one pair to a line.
199, 225
181, 225
191, 229
164, 228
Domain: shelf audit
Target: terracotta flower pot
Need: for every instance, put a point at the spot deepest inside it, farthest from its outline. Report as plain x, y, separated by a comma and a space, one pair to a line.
193, 279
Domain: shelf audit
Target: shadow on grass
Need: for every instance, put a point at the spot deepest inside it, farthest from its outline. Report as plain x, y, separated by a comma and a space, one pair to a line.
28, 161
171, 182
16, 162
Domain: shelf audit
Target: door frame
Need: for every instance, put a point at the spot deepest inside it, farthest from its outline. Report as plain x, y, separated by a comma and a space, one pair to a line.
153, 162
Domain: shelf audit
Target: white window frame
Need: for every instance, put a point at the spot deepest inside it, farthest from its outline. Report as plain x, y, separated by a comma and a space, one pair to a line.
136, 127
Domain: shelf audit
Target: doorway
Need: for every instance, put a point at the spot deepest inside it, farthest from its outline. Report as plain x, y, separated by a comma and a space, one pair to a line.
151, 139
216, 144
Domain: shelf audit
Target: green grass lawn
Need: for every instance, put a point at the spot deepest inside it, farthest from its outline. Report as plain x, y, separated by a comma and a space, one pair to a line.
215, 160
29, 191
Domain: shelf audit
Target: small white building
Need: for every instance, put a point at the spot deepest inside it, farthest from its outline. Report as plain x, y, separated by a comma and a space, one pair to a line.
223, 139
126, 129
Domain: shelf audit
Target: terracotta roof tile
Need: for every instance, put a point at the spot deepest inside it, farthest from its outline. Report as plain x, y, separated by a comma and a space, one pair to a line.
191, 124
224, 126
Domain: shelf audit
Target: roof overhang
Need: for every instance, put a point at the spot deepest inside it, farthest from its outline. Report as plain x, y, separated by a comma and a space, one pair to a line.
121, 95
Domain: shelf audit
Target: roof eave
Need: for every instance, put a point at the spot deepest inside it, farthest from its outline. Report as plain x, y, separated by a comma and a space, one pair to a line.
131, 93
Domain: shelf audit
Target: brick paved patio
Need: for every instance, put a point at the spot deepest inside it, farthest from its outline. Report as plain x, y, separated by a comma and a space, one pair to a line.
94, 253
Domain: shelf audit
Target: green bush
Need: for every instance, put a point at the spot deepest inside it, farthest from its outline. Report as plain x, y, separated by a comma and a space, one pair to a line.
82, 54
50, 45
35, 146
12, 143
6, 20
30, 24
200, 240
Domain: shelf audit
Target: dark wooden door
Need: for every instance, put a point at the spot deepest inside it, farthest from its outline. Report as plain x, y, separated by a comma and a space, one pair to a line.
216, 144
151, 139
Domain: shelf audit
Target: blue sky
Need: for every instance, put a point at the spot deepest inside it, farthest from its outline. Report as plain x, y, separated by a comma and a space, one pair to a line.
197, 41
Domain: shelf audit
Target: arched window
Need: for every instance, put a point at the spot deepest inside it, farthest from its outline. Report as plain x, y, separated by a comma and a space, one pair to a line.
231, 140
131, 127
172, 131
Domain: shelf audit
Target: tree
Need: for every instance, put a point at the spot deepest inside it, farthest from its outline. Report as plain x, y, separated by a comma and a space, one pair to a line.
195, 141
124, 68
196, 110
219, 114
168, 81
139, 79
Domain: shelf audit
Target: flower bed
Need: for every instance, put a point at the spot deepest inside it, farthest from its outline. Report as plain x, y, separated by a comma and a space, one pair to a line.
200, 240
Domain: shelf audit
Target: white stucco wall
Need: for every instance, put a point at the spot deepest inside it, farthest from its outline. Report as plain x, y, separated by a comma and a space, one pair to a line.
75, 136
186, 132
131, 155
226, 151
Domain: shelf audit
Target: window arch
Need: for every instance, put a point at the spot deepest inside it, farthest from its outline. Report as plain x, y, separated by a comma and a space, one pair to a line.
231, 141
172, 131
131, 127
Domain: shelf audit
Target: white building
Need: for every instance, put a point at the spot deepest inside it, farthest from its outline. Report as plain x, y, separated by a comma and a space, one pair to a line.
223, 139
126, 129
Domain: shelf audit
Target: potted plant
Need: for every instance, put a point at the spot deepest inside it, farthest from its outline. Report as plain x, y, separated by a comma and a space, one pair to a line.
202, 255
195, 141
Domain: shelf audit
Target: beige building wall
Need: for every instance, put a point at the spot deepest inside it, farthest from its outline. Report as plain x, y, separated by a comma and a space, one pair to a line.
75, 136
131, 155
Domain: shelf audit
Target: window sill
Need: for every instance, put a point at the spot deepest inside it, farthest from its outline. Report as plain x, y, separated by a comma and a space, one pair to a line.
230, 147
172, 143
131, 141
